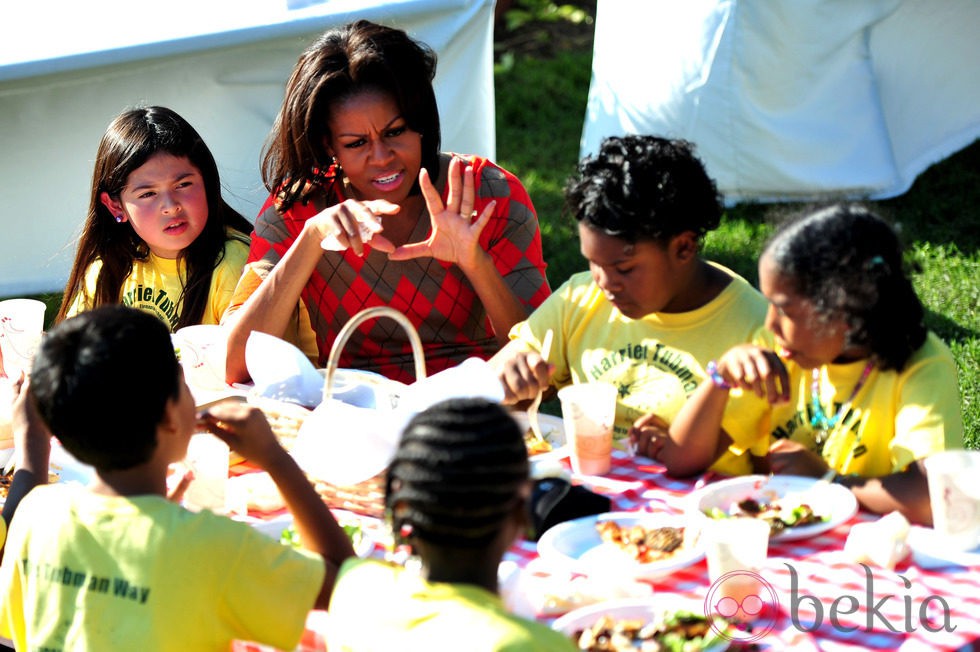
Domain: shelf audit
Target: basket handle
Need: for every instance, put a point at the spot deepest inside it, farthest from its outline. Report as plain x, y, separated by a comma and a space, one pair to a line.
348, 330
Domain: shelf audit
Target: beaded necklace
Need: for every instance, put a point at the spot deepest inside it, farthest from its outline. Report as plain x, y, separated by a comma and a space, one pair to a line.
819, 420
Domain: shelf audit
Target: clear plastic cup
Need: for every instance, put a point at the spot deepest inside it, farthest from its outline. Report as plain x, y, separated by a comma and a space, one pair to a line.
208, 458
735, 544
21, 326
954, 494
588, 411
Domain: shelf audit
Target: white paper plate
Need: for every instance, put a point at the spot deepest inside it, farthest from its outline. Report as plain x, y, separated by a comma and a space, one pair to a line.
552, 429
68, 469
930, 550
641, 609
576, 546
835, 502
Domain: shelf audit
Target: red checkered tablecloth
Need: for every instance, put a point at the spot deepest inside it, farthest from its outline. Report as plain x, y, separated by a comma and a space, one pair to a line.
910, 608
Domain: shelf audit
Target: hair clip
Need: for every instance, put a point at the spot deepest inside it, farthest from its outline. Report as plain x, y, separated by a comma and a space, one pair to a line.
875, 262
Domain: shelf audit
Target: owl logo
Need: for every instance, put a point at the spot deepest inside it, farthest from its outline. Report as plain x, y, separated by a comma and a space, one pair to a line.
744, 599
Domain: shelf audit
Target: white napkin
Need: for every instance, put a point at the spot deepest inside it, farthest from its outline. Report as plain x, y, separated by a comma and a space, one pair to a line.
281, 371
345, 444
472, 378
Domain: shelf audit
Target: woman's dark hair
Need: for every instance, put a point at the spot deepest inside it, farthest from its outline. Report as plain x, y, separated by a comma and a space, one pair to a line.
130, 140
459, 471
101, 381
848, 262
360, 56
644, 188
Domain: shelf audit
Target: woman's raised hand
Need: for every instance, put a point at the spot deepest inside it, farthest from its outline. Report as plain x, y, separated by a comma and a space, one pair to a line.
455, 236
351, 224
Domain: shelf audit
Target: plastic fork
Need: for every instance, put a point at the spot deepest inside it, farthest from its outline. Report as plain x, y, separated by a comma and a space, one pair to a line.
532, 412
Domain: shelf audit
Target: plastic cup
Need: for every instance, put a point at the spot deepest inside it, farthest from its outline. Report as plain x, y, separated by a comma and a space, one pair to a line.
954, 494
208, 458
735, 544
588, 411
736, 549
6, 413
21, 326
202, 355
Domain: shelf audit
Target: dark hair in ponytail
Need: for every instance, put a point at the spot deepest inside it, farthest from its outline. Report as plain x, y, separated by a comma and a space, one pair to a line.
848, 262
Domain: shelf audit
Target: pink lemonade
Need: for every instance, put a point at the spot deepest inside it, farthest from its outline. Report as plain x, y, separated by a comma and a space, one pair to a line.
592, 451
588, 411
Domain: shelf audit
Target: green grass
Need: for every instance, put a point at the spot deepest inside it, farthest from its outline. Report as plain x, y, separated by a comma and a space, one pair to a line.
540, 108
540, 105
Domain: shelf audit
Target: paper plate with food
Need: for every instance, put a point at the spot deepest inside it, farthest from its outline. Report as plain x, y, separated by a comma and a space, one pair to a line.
553, 431
667, 622
62, 468
282, 529
795, 507
634, 544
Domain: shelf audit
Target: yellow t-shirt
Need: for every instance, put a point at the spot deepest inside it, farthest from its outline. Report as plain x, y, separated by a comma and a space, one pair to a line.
656, 361
88, 572
379, 607
896, 417
156, 284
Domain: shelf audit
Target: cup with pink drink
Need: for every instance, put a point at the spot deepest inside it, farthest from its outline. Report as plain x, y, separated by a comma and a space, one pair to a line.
588, 411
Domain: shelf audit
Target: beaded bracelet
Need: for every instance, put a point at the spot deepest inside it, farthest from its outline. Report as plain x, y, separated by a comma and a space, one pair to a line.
716, 378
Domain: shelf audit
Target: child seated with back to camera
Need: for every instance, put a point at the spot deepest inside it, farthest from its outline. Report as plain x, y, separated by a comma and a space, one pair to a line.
115, 565
457, 494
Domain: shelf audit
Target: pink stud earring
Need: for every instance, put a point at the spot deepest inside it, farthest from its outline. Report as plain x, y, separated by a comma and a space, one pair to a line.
119, 219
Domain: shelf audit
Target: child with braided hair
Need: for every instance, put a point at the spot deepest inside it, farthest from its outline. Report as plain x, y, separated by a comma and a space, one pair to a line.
846, 381
457, 493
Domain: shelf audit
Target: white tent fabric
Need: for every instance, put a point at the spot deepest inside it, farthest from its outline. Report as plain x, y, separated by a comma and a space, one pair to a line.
792, 100
222, 64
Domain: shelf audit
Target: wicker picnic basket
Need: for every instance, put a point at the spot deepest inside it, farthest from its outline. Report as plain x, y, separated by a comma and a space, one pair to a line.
286, 419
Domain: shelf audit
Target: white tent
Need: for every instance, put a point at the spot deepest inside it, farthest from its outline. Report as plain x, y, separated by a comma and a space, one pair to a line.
68, 68
795, 99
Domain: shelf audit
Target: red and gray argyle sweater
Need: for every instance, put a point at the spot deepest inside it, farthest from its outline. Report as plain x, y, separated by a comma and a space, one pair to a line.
435, 296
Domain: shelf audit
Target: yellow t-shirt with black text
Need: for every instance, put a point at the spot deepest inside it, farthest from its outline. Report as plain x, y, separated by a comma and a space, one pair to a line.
156, 285
656, 361
88, 572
